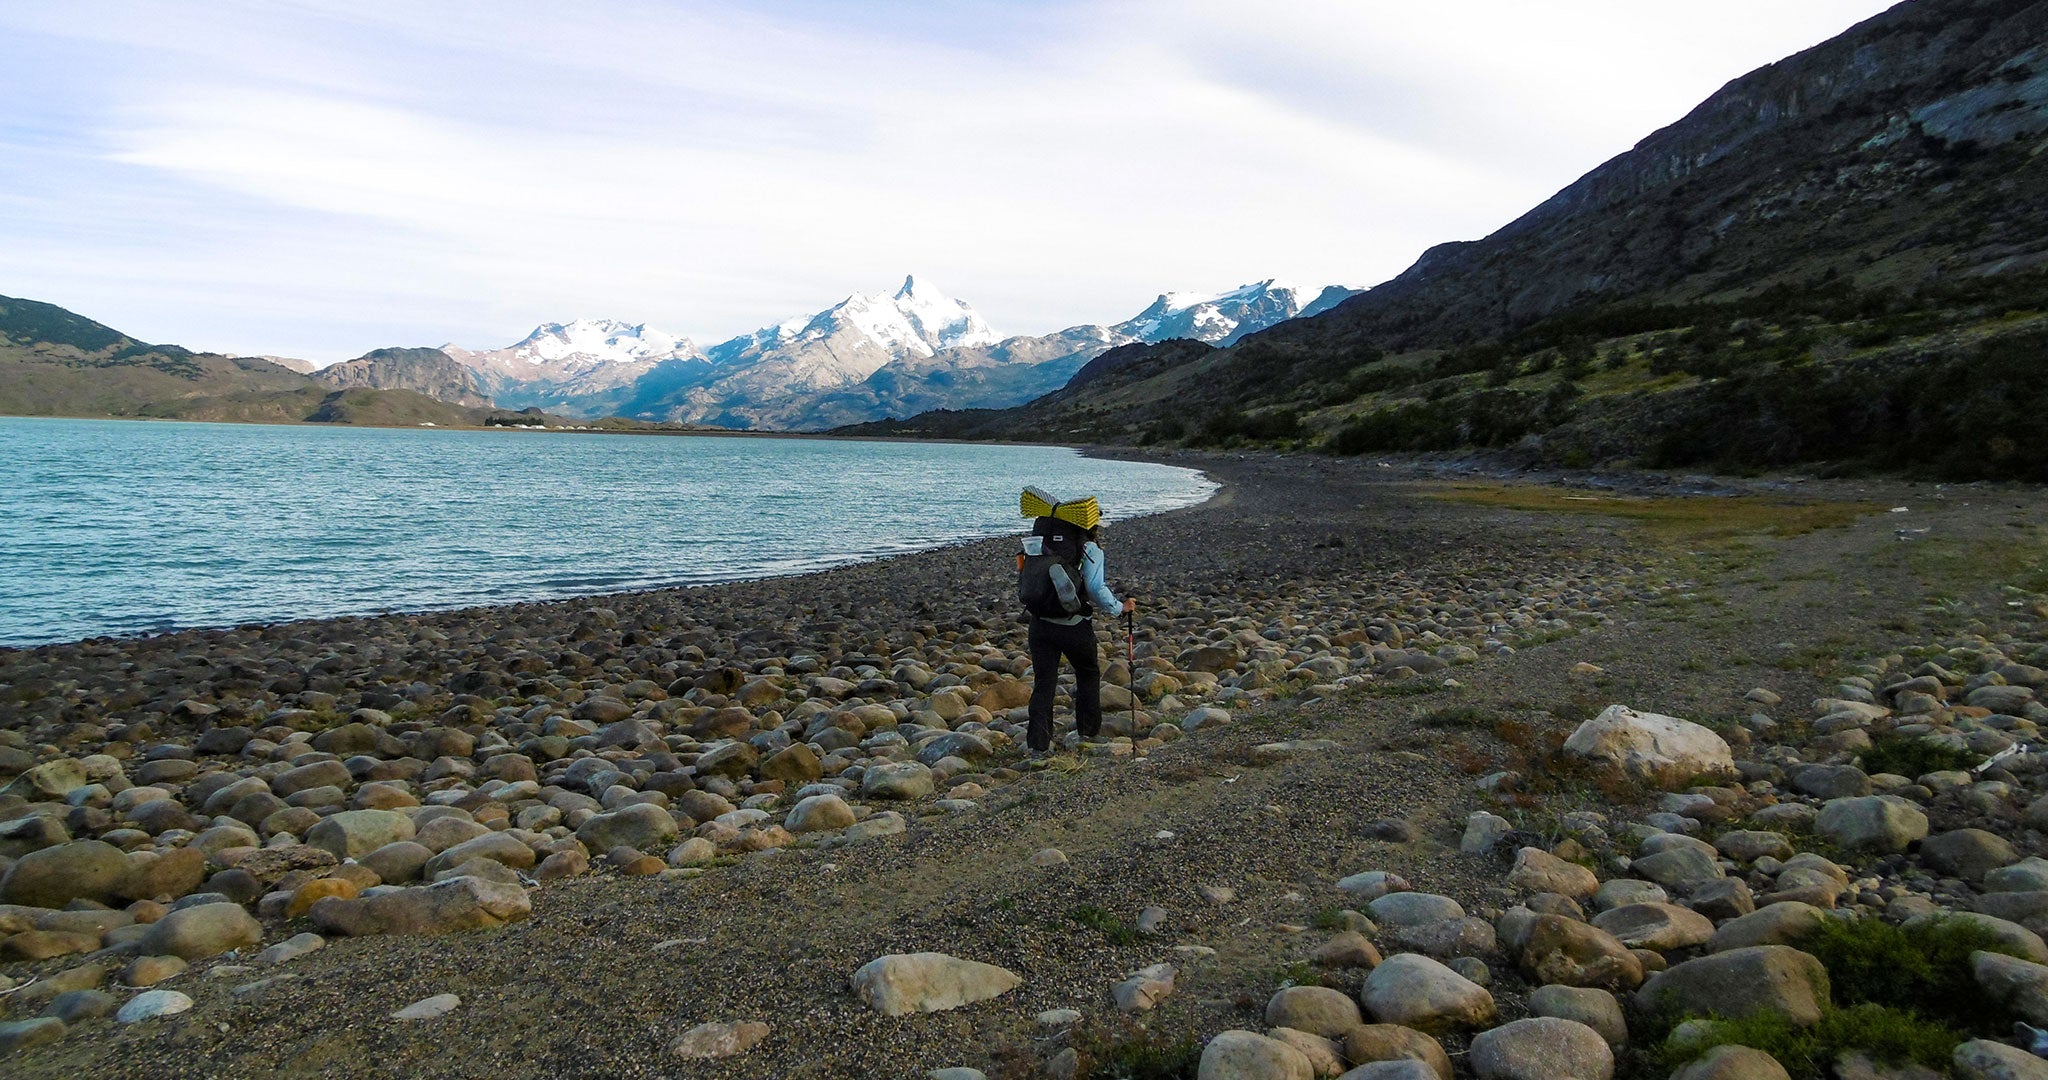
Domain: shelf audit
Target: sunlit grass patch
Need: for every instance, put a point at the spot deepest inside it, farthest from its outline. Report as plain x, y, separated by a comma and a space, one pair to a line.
2018, 559
1692, 519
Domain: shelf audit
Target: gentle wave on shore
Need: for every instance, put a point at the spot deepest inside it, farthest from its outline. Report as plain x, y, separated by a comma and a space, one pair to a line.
122, 527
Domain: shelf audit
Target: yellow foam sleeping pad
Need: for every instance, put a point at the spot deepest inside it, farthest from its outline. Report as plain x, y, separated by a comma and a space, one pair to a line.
1035, 503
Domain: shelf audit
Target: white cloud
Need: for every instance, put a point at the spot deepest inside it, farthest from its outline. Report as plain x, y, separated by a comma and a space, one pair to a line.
424, 172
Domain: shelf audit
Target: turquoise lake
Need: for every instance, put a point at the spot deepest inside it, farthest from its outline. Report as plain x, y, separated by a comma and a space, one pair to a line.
112, 527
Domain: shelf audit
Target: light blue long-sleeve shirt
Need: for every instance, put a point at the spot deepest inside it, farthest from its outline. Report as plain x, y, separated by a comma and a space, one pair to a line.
1092, 580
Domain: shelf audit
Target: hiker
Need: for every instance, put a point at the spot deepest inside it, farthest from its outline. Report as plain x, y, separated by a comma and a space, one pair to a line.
1060, 614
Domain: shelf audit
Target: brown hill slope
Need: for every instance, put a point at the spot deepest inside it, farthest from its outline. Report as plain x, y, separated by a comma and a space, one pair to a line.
425, 371
54, 362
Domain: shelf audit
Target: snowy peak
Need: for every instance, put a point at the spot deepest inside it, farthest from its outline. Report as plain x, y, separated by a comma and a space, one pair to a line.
939, 319
583, 356
1216, 318
601, 341
918, 320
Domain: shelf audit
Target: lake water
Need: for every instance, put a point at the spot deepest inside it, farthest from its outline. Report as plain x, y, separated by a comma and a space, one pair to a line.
111, 527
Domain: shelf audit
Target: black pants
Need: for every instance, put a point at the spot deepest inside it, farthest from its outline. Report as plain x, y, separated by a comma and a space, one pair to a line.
1049, 642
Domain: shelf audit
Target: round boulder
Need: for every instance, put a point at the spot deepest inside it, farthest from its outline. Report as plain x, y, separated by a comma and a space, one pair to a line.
1771, 979
904, 983
1421, 993
204, 930
1732, 1062
1248, 1055
819, 813
1542, 1048
897, 780
1368, 1043
1593, 1007
1539, 871
55, 876
641, 826
1651, 747
1883, 824
1661, 927
1562, 950
354, 833
1968, 853
1317, 1010
1414, 909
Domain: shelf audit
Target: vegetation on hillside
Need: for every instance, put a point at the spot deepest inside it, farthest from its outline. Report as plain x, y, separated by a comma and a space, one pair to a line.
1943, 381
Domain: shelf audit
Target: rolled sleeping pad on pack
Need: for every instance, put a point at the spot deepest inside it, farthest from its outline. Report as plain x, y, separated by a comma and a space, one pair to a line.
1037, 503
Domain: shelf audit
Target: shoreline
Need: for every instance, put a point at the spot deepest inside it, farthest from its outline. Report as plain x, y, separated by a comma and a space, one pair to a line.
527, 429
824, 562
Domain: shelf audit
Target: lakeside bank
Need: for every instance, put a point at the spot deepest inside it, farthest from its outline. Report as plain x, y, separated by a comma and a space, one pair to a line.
1345, 606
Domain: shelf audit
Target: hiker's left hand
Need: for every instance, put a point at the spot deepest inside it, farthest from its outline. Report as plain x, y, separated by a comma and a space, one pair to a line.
1130, 606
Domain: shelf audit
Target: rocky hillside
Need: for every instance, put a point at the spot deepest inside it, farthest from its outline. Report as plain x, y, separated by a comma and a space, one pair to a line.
429, 372
1834, 242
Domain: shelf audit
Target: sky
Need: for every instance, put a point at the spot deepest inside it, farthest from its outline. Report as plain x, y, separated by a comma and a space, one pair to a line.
317, 178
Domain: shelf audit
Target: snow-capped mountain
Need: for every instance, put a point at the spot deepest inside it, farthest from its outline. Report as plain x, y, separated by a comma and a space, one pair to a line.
869, 358
769, 377
610, 350
1218, 319
588, 364
851, 340
864, 358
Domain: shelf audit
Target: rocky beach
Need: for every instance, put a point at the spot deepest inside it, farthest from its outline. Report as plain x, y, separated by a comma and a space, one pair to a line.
1420, 772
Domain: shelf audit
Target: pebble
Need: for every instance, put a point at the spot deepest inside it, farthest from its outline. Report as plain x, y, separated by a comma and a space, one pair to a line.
17, 1035
1143, 990
720, 1039
151, 1004
429, 1008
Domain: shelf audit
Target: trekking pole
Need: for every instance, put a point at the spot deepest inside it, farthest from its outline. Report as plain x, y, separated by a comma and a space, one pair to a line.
1131, 648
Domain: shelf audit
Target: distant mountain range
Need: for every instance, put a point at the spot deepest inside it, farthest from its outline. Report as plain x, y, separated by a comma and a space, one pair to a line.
864, 358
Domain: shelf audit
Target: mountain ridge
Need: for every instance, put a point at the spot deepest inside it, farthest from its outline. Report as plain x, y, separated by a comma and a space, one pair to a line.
431, 372
868, 356
1841, 242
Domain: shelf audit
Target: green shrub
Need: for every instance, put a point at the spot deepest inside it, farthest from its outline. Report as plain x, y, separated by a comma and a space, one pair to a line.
1228, 426
1458, 716
1116, 930
1888, 1036
1923, 969
1914, 757
1132, 1052
1328, 917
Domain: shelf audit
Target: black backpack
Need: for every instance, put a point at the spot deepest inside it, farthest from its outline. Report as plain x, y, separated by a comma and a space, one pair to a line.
1049, 571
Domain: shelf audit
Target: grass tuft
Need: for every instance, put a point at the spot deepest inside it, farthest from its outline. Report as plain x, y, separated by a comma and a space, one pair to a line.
1693, 520
1888, 1036
1923, 968
1117, 931
1129, 1051
1913, 757
1458, 716
1328, 917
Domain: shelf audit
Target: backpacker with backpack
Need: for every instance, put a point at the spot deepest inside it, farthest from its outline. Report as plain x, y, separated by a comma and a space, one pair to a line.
1049, 571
